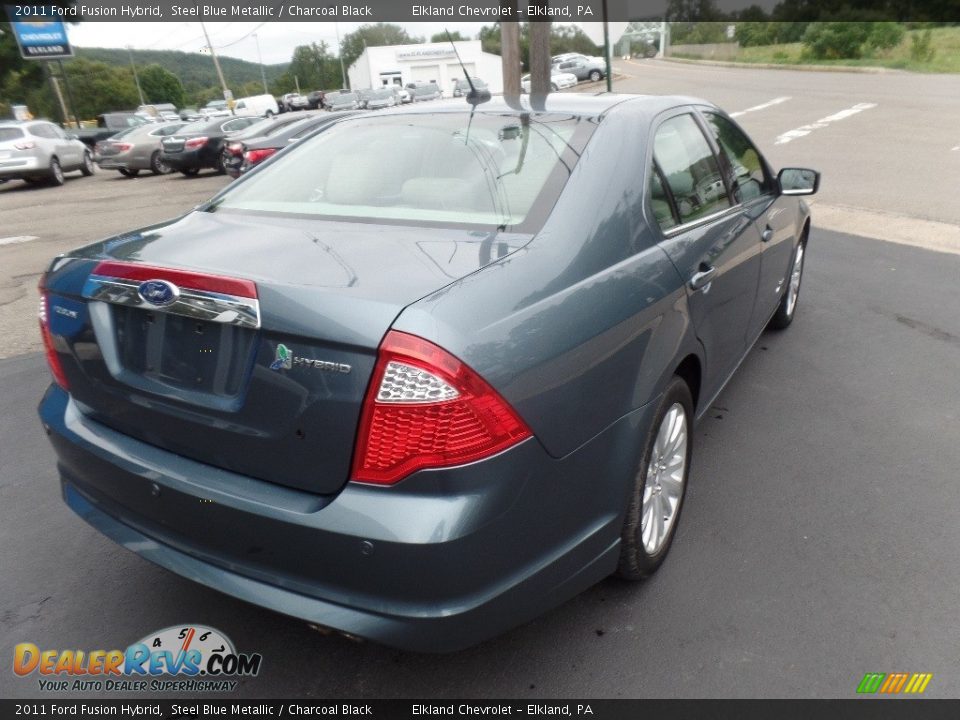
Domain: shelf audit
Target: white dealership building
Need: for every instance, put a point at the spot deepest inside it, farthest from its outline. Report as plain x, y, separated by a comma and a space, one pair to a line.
436, 62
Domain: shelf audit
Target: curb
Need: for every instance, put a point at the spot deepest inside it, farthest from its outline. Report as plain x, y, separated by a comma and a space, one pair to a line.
869, 69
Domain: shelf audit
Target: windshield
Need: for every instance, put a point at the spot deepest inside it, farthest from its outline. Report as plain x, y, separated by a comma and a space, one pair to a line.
492, 170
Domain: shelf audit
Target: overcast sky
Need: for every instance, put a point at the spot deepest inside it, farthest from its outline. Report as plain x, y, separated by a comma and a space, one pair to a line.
236, 39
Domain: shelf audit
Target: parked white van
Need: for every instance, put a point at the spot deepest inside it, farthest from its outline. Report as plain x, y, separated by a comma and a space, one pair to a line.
256, 105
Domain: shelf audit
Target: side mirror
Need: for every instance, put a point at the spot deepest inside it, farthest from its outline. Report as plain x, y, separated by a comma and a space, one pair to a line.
798, 181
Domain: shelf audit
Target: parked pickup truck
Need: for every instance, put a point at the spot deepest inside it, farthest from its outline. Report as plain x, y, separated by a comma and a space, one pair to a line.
108, 124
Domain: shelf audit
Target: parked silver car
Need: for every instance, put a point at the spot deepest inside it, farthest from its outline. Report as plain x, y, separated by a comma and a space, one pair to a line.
136, 149
380, 98
584, 68
39, 150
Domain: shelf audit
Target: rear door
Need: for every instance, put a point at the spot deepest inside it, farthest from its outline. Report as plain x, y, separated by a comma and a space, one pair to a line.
712, 242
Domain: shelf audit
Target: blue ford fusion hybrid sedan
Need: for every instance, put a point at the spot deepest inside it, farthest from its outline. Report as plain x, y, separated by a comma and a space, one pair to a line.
422, 401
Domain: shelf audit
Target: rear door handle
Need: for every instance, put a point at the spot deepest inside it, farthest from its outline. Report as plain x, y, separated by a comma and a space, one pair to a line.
702, 278
767, 234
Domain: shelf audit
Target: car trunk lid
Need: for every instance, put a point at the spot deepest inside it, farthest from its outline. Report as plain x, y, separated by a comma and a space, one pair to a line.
260, 362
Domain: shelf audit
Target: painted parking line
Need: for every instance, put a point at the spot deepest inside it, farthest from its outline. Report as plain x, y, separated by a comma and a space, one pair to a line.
763, 106
822, 123
13, 240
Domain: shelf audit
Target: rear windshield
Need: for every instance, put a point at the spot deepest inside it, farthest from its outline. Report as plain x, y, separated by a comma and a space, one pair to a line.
494, 170
10, 133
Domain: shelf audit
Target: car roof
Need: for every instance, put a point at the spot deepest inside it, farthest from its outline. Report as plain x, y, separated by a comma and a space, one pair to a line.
573, 103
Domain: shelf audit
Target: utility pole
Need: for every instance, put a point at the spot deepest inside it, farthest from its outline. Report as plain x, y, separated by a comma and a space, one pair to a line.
540, 57
56, 91
227, 95
343, 71
136, 78
66, 84
263, 74
607, 50
510, 52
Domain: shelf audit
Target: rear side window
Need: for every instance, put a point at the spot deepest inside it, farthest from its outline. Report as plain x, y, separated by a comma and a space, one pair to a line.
744, 166
10, 133
690, 169
43, 131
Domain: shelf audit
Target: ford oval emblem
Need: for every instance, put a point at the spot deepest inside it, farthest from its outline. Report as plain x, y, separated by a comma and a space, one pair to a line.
159, 292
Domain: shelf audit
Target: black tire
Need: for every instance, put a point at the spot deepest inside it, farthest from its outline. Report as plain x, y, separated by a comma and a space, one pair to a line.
269, 114
221, 167
157, 165
636, 562
595, 75
87, 167
553, 87
190, 172
128, 172
55, 175
787, 309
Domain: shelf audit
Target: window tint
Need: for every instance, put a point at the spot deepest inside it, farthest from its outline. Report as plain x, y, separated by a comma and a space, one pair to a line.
745, 166
660, 203
690, 168
10, 133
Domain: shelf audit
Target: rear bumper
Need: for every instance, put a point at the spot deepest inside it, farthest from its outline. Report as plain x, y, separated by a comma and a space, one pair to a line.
28, 165
442, 561
188, 159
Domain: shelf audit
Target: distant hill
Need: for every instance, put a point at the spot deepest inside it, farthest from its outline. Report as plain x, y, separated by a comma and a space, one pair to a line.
195, 70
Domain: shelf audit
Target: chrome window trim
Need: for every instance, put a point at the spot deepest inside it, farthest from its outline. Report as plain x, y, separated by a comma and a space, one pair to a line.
677, 229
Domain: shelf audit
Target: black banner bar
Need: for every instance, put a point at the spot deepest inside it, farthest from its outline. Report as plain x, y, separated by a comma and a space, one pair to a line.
853, 709
480, 11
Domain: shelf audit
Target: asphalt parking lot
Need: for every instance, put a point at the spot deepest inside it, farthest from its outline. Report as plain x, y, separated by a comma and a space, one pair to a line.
819, 534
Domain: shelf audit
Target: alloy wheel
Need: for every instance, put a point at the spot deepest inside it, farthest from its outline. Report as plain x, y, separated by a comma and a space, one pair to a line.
793, 291
663, 487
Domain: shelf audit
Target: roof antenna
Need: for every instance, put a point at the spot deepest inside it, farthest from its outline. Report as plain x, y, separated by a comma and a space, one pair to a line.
474, 97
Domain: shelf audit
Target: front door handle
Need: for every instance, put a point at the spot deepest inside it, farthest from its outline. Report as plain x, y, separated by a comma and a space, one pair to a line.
767, 234
703, 277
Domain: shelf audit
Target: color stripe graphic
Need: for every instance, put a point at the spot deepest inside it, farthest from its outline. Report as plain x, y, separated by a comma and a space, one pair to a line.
894, 683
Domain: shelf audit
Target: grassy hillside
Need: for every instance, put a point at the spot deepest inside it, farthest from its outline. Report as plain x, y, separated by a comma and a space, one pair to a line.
945, 43
195, 70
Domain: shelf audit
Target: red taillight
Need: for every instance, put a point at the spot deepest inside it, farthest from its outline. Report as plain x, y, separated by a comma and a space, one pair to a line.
426, 409
235, 148
123, 147
254, 156
53, 359
30, 145
194, 143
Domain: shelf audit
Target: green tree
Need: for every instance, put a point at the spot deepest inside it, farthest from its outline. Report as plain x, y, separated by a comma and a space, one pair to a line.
489, 37
379, 34
98, 87
442, 37
314, 67
161, 86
